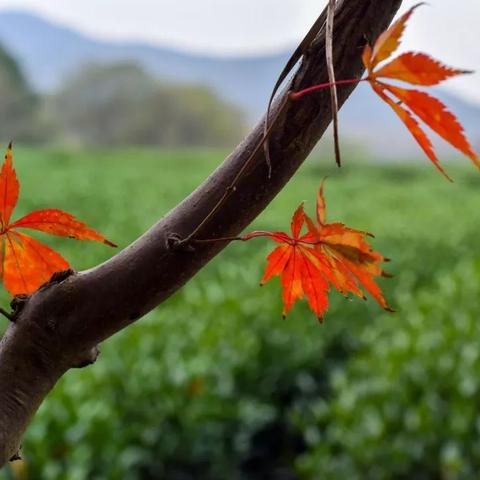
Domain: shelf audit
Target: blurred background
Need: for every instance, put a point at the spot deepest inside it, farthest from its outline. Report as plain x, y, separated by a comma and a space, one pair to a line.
104, 98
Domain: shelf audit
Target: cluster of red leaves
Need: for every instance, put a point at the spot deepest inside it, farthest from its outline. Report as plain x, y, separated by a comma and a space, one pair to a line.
326, 254
416, 69
25, 262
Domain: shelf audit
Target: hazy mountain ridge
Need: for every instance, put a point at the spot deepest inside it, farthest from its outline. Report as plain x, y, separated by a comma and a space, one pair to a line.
49, 52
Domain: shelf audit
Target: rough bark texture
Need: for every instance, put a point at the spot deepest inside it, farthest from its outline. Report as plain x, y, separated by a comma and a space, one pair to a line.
60, 325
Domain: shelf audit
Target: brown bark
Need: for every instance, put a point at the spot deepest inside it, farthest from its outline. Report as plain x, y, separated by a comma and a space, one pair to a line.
60, 325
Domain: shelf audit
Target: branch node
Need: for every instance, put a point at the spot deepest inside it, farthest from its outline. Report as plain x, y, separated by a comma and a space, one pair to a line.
18, 303
87, 358
16, 457
59, 277
175, 243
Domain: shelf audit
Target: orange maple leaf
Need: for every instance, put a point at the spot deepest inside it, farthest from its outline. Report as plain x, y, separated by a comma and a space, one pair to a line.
25, 262
416, 69
326, 254
299, 265
353, 263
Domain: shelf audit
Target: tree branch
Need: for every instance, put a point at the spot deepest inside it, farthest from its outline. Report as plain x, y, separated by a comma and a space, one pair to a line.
60, 325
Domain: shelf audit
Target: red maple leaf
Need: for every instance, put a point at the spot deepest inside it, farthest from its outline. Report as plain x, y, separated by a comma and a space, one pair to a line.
325, 254
25, 262
353, 263
299, 265
411, 105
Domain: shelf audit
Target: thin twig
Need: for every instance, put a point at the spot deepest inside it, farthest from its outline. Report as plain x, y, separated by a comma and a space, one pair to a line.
220, 239
7, 314
232, 187
323, 86
292, 61
331, 77
245, 239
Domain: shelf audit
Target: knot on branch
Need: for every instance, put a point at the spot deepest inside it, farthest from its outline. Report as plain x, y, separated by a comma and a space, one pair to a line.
58, 277
16, 457
175, 243
17, 304
87, 358
19, 301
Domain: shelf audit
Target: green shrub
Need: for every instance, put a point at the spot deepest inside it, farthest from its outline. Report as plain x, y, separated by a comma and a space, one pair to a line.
214, 385
407, 404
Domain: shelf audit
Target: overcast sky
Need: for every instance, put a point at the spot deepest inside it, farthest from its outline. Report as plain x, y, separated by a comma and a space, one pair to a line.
448, 29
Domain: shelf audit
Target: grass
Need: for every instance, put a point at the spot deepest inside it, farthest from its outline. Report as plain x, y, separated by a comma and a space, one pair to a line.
216, 361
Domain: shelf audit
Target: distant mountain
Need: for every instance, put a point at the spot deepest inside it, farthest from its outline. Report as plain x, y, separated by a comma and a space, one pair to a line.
49, 52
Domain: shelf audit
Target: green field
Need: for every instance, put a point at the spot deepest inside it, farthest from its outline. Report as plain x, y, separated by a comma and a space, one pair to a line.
215, 385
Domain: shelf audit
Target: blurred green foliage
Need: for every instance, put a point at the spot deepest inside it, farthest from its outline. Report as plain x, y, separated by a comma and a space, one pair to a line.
406, 405
18, 103
122, 104
114, 104
214, 384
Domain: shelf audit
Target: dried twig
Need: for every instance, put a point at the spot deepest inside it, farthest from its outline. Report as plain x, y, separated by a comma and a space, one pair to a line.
331, 76
293, 60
